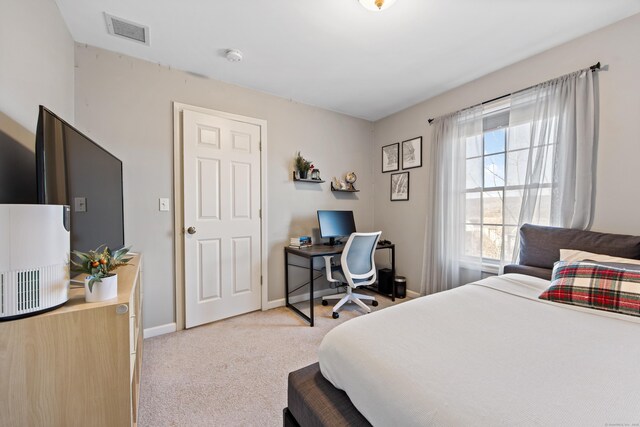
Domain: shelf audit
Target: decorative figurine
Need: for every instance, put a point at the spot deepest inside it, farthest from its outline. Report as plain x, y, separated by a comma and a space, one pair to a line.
351, 179
335, 182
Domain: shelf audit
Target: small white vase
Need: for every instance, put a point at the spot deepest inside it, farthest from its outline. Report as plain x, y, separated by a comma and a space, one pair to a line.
106, 289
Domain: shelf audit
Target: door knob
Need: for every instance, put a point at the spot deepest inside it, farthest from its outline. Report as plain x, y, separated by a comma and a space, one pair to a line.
191, 230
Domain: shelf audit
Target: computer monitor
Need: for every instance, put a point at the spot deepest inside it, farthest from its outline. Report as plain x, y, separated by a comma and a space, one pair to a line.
335, 224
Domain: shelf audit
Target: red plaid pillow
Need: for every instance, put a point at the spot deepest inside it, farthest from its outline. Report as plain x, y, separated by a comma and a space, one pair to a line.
595, 286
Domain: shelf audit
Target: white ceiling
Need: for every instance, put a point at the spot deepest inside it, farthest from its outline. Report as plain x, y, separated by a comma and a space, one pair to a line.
335, 54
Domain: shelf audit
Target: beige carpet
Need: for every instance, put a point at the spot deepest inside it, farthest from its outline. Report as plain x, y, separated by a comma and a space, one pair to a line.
232, 372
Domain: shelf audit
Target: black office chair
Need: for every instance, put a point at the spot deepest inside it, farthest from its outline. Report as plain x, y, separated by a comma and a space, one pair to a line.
357, 268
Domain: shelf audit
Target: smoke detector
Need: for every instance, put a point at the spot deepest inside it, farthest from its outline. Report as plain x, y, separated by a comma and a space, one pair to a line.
126, 29
233, 55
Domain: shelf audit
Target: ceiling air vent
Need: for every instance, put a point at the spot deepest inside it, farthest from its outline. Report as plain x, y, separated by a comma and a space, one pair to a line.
127, 29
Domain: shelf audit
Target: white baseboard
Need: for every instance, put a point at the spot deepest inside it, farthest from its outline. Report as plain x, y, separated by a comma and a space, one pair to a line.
305, 297
159, 330
412, 294
298, 298
273, 304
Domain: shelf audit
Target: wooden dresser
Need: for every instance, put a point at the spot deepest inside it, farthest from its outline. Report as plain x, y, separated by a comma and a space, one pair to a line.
78, 365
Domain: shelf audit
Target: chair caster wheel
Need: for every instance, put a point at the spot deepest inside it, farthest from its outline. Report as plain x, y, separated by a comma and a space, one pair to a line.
325, 302
374, 303
335, 315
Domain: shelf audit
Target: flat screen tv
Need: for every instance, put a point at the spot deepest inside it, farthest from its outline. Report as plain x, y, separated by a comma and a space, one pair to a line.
73, 170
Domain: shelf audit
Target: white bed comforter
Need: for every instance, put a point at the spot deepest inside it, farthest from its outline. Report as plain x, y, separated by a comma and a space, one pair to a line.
488, 353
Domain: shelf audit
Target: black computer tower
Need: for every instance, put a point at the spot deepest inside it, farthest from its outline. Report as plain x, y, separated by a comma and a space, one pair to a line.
385, 281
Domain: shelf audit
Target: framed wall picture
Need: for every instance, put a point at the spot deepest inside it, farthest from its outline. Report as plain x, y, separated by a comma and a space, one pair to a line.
399, 186
412, 153
391, 157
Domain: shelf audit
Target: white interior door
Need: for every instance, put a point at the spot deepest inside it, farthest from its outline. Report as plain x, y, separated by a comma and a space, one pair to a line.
221, 168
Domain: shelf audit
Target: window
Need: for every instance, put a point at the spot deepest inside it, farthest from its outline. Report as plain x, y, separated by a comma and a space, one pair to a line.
496, 166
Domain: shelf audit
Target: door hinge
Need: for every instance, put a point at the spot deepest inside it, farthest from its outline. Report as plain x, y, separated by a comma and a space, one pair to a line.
260, 213
260, 280
260, 146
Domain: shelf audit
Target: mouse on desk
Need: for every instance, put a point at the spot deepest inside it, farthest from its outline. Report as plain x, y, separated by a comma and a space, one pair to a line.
384, 242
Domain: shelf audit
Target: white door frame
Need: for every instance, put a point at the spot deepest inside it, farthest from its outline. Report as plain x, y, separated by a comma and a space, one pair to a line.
178, 203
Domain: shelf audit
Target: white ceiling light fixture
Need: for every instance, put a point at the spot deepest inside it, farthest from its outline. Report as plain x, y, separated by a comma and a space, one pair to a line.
233, 55
377, 5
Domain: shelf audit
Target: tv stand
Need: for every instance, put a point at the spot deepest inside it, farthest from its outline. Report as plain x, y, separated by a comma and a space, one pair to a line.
77, 365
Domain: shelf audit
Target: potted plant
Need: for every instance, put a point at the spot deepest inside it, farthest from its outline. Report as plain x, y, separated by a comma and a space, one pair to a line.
303, 165
101, 282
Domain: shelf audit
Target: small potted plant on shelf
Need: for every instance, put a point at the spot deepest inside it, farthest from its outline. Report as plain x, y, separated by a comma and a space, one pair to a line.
101, 282
303, 165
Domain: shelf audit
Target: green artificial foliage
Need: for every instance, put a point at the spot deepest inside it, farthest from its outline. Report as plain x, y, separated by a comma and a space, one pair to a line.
302, 164
99, 264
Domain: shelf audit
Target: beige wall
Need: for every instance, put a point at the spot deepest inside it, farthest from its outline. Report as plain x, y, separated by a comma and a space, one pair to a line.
125, 104
36, 67
617, 205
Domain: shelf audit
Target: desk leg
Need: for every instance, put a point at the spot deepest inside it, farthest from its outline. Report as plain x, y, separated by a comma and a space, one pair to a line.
393, 273
311, 291
286, 289
286, 278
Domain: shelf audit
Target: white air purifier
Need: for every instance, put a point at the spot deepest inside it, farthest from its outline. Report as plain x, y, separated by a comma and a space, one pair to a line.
34, 259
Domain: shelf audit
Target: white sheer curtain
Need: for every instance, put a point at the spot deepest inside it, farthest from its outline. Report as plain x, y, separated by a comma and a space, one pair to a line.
445, 265
557, 121
553, 130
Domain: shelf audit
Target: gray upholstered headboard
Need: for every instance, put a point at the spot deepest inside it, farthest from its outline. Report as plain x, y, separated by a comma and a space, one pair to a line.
540, 247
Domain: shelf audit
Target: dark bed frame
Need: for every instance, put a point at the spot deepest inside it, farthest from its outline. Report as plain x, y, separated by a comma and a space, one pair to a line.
313, 401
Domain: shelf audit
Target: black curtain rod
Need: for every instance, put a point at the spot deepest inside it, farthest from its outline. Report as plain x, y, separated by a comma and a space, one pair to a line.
594, 67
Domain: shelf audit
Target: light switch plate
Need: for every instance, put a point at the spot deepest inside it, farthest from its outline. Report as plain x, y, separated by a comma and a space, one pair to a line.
80, 204
164, 205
